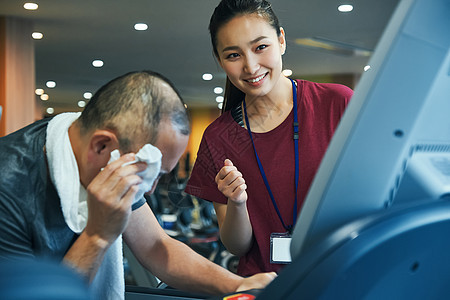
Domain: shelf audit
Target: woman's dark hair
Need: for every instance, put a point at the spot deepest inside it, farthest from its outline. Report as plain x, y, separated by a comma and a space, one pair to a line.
223, 13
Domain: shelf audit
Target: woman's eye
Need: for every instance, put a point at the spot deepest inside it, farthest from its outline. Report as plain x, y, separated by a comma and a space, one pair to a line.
261, 47
232, 55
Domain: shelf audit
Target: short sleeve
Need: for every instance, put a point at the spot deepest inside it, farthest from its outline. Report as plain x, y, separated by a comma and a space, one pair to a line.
138, 204
202, 182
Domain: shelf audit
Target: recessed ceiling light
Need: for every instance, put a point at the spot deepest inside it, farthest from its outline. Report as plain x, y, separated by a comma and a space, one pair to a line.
50, 110
97, 63
219, 99
207, 76
366, 68
81, 103
87, 95
37, 35
287, 72
39, 92
44, 97
345, 8
30, 6
140, 26
218, 90
50, 84
220, 105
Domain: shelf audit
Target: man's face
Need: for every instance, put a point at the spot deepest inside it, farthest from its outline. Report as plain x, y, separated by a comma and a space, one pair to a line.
172, 145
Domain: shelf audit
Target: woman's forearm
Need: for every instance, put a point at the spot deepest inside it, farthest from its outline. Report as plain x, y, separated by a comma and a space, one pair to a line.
236, 230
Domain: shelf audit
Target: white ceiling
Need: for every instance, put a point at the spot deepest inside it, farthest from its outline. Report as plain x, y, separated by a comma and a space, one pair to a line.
177, 42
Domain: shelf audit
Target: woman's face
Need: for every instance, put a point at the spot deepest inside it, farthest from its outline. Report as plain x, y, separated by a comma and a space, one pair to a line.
249, 51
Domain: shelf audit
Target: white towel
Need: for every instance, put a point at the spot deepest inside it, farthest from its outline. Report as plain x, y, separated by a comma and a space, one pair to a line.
64, 171
109, 281
152, 157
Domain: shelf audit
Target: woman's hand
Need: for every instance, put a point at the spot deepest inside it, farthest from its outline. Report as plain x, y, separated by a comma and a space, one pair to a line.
231, 183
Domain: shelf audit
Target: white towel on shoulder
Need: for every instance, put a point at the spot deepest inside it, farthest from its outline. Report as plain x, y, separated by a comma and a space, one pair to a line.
109, 281
64, 171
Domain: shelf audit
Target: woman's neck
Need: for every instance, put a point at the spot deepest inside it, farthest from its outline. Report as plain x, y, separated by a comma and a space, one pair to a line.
267, 112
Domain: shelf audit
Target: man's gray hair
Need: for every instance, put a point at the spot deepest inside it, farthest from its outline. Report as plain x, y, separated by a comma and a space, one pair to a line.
133, 106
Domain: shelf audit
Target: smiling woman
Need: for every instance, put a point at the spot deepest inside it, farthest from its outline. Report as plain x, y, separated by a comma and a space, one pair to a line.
253, 64
273, 132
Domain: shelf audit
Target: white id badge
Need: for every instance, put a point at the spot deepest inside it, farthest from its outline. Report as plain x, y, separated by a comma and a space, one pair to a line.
280, 245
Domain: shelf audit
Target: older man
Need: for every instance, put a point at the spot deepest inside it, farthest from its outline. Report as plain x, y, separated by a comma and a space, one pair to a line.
61, 194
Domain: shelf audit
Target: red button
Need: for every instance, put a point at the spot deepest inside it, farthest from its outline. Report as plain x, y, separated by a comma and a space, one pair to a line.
240, 297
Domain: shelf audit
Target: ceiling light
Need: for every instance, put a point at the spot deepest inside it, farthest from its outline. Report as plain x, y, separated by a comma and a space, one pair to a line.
185, 106
218, 90
287, 72
219, 99
44, 97
50, 84
220, 105
207, 76
81, 103
366, 68
30, 6
345, 8
38, 91
140, 26
37, 35
97, 63
87, 95
335, 47
50, 110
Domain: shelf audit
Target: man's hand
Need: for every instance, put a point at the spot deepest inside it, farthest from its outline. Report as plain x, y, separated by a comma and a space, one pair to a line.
110, 196
257, 281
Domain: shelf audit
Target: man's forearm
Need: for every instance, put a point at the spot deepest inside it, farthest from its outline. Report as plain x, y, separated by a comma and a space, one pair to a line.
182, 268
86, 255
178, 265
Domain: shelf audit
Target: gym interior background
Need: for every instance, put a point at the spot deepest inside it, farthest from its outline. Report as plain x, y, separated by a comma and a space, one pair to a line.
50, 61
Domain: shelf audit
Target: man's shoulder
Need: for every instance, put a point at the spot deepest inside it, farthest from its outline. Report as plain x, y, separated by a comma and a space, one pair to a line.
26, 133
20, 152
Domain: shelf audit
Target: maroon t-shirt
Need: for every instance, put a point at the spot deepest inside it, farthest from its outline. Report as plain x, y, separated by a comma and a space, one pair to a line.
320, 107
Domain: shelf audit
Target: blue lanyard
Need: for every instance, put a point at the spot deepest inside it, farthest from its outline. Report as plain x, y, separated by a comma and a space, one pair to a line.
261, 169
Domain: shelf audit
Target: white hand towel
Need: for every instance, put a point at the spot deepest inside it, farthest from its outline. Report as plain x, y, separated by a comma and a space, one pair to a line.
152, 157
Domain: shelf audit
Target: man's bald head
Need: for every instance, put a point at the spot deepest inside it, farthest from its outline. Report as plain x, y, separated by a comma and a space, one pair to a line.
133, 106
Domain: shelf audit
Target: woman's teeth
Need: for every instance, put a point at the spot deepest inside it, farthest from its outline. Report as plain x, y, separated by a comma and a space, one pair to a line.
256, 79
